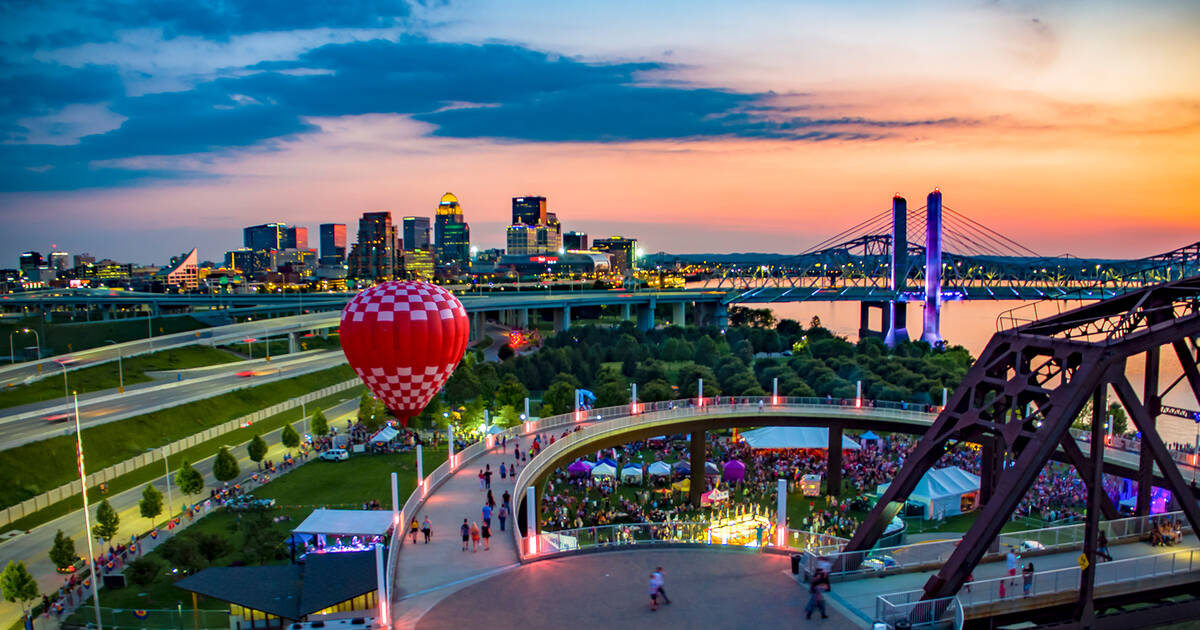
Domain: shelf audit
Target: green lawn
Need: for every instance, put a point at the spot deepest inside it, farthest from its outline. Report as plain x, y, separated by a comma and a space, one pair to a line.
360, 479
61, 338
279, 346
106, 376
114, 442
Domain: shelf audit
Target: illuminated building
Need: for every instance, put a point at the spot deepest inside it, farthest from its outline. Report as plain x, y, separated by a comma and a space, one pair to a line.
453, 235
554, 264
30, 262
418, 264
575, 240
374, 255
59, 261
333, 243
521, 239
265, 237
533, 229
529, 210
294, 237
183, 272
416, 233
623, 250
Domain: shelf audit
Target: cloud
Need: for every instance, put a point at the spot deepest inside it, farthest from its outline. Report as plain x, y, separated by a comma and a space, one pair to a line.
38, 89
492, 91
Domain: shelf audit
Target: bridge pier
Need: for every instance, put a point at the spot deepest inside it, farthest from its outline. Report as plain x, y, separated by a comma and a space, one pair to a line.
931, 332
522, 318
476, 326
645, 315
897, 331
678, 314
562, 319
293, 346
627, 311
697, 458
712, 314
833, 463
864, 319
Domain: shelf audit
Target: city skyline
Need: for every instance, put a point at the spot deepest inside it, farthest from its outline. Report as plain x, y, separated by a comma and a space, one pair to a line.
1070, 128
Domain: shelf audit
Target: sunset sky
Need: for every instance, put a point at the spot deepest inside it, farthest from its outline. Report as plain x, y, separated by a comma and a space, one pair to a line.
137, 130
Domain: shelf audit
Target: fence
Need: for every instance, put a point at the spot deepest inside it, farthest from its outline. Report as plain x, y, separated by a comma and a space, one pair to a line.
672, 532
945, 612
1063, 580
177, 619
68, 490
920, 555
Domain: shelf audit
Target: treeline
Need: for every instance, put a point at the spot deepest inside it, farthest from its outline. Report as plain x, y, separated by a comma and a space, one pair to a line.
666, 364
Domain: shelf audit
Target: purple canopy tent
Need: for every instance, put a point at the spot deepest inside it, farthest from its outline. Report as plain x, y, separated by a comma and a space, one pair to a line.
734, 470
579, 469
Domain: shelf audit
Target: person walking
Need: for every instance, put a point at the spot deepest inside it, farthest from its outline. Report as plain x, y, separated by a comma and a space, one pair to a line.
487, 515
474, 537
1027, 579
653, 592
662, 580
1010, 560
486, 533
427, 529
502, 475
466, 534
481, 488
487, 477
491, 500
412, 529
1102, 547
816, 597
502, 514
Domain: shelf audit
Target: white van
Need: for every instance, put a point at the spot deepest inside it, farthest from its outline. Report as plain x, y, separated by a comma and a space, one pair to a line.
335, 455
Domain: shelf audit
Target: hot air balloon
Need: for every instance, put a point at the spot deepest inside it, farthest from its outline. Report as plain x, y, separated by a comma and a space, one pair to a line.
404, 339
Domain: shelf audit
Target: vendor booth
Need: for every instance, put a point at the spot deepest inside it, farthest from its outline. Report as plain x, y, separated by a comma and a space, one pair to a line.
944, 492
734, 471
603, 470
869, 439
810, 485
711, 469
631, 473
682, 467
384, 436
794, 437
659, 469
340, 531
579, 468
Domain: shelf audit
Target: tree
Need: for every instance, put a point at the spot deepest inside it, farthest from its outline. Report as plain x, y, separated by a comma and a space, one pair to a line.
62, 553
107, 522
184, 553
257, 450
463, 385
212, 546
143, 571
560, 398
289, 436
261, 543
225, 467
18, 585
151, 504
655, 390
505, 352
188, 479
1119, 420
318, 424
511, 393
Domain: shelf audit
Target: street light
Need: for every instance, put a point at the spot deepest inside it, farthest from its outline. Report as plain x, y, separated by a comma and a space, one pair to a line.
12, 355
87, 519
120, 367
167, 479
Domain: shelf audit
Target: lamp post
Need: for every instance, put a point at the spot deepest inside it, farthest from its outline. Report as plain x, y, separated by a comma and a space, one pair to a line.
167, 479
120, 367
12, 355
87, 519
64, 367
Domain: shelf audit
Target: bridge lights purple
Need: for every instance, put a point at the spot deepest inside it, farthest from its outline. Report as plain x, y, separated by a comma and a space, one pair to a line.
931, 332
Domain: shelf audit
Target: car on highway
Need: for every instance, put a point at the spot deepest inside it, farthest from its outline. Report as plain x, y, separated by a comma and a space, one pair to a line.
335, 455
58, 417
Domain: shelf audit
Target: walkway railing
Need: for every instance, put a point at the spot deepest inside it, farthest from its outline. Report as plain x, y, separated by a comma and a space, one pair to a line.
1065, 580
918, 555
671, 532
945, 612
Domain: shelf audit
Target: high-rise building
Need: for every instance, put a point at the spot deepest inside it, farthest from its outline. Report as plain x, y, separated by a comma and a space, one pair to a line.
520, 239
30, 262
453, 234
333, 243
416, 233
575, 240
529, 210
623, 251
266, 237
418, 264
294, 237
374, 255
60, 261
84, 259
183, 272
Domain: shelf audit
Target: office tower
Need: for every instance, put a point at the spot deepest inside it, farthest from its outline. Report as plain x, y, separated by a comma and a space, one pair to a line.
266, 237
60, 261
520, 239
575, 240
295, 237
453, 246
333, 243
30, 261
84, 259
416, 233
418, 264
374, 255
623, 251
529, 210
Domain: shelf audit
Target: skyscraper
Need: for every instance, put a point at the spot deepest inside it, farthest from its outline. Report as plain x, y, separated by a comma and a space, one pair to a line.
294, 237
374, 255
416, 233
623, 251
529, 210
333, 243
453, 247
265, 237
575, 240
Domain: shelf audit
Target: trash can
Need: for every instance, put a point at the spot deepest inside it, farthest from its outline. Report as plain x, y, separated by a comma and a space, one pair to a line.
796, 563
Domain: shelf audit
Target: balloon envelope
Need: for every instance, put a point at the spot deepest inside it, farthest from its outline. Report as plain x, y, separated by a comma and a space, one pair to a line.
404, 339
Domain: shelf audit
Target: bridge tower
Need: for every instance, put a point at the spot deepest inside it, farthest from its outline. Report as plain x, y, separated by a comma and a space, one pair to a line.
897, 331
931, 332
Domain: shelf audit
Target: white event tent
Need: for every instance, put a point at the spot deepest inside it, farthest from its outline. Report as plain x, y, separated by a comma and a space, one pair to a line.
794, 437
944, 492
604, 470
659, 469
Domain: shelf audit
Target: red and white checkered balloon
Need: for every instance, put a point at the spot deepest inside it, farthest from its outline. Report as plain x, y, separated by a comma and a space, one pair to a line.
404, 339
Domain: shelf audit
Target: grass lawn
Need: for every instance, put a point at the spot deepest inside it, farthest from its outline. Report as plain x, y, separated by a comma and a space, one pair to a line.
194, 454
106, 376
359, 479
114, 442
279, 346
61, 338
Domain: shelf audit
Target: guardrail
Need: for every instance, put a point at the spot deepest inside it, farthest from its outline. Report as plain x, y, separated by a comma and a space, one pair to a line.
698, 533
849, 564
1056, 581
65, 491
944, 612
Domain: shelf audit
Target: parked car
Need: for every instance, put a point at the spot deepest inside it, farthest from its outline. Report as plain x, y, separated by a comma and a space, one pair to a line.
880, 563
1031, 545
248, 502
335, 455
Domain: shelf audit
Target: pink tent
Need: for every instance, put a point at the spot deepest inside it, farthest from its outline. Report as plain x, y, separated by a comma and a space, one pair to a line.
734, 470
579, 469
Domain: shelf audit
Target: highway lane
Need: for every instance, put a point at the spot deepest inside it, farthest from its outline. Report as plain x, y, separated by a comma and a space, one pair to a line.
32, 548
23, 425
